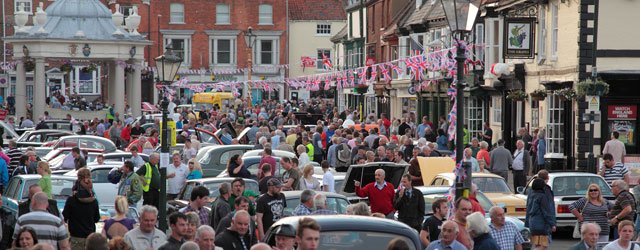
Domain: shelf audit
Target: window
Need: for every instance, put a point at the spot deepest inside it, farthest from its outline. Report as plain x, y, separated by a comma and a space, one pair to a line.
535, 114
320, 58
496, 103
25, 5
554, 31
86, 83
222, 14
323, 29
181, 47
475, 116
542, 34
223, 51
555, 125
265, 14
30, 93
493, 43
479, 37
266, 52
177, 13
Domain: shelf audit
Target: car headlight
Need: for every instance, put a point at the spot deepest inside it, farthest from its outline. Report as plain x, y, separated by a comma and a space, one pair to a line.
525, 234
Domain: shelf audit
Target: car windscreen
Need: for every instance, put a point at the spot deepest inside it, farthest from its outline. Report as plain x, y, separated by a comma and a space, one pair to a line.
359, 240
207, 138
335, 204
491, 185
577, 185
61, 188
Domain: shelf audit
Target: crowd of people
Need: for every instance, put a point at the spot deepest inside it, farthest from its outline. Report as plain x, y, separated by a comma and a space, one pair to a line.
239, 218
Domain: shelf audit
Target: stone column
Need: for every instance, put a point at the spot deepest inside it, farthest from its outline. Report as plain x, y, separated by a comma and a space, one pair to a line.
21, 90
128, 88
39, 92
136, 90
109, 101
118, 90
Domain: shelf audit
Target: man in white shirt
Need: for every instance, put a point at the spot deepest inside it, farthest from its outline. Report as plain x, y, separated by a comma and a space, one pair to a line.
328, 182
177, 175
615, 147
521, 162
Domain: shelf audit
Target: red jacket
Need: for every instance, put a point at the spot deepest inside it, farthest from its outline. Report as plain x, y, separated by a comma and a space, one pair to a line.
475, 204
381, 201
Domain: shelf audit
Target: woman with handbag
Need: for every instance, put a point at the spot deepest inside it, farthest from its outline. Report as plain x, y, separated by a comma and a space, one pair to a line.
592, 208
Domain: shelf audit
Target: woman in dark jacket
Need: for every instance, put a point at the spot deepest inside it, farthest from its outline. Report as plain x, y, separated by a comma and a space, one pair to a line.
236, 168
538, 218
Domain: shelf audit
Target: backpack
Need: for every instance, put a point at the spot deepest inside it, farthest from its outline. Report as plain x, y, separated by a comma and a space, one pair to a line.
343, 155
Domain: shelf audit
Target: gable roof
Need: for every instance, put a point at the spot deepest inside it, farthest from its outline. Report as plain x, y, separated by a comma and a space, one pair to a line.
317, 10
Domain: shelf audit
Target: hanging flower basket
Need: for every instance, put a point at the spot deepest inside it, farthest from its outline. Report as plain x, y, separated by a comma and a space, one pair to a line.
89, 68
361, 88
566, 94
588, 87
538, 95
517, 95
29, 64
66, 67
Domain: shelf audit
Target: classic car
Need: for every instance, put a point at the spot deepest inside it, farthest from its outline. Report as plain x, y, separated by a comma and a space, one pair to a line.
106, 191
335, 202
17, 191
274, 153
494, 187
213, 184
35, 138
568, 187
352, 232
62, 157
83, 141
213, 159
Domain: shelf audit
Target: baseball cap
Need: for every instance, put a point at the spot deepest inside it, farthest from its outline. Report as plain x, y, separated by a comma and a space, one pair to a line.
286, 230
274, 182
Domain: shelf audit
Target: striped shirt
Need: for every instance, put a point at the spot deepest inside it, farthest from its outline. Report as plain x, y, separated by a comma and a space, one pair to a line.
593, 213
507, 237
14, 155
49, 228
616, 172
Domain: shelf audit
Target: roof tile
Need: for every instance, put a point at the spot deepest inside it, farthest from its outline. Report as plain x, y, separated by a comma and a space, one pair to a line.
316, 10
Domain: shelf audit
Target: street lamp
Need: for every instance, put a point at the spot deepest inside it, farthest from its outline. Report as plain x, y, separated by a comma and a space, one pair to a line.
250, 41
461, 16
167, 66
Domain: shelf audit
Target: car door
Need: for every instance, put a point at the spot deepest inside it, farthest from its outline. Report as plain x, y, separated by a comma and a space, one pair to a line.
106, 191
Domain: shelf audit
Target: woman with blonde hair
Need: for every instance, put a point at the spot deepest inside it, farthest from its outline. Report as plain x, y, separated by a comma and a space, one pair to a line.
195, 170
593, 208
303, 157
45, 182
308, 181
118, 225
195, 143
193, 223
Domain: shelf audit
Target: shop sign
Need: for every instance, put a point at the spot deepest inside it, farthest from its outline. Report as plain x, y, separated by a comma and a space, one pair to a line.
623, 112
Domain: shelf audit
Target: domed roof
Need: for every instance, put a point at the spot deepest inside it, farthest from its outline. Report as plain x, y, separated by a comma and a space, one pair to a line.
78, 20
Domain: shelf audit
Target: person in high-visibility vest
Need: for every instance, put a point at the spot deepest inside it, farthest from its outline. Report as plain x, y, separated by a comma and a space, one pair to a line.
150, 175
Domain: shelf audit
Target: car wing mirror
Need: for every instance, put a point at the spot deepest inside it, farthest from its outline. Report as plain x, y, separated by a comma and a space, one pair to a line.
520, 190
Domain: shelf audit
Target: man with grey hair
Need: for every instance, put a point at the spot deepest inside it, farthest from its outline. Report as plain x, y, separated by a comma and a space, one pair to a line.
49, 228
320, 202
447, 238
504, 232
500, 160
624, 205
146, 235
521, 165
205, 237
150, 176
380, 194
306, 203
189, 245
479, 231
220, 208
590, 233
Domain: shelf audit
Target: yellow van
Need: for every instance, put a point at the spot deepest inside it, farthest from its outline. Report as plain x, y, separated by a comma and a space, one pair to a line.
209, 99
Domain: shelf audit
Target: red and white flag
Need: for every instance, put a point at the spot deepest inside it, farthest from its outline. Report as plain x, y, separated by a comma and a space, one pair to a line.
326, 62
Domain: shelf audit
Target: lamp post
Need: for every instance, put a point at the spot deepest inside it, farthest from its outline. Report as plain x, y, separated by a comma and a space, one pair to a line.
250, 41
167, 66
461, 16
